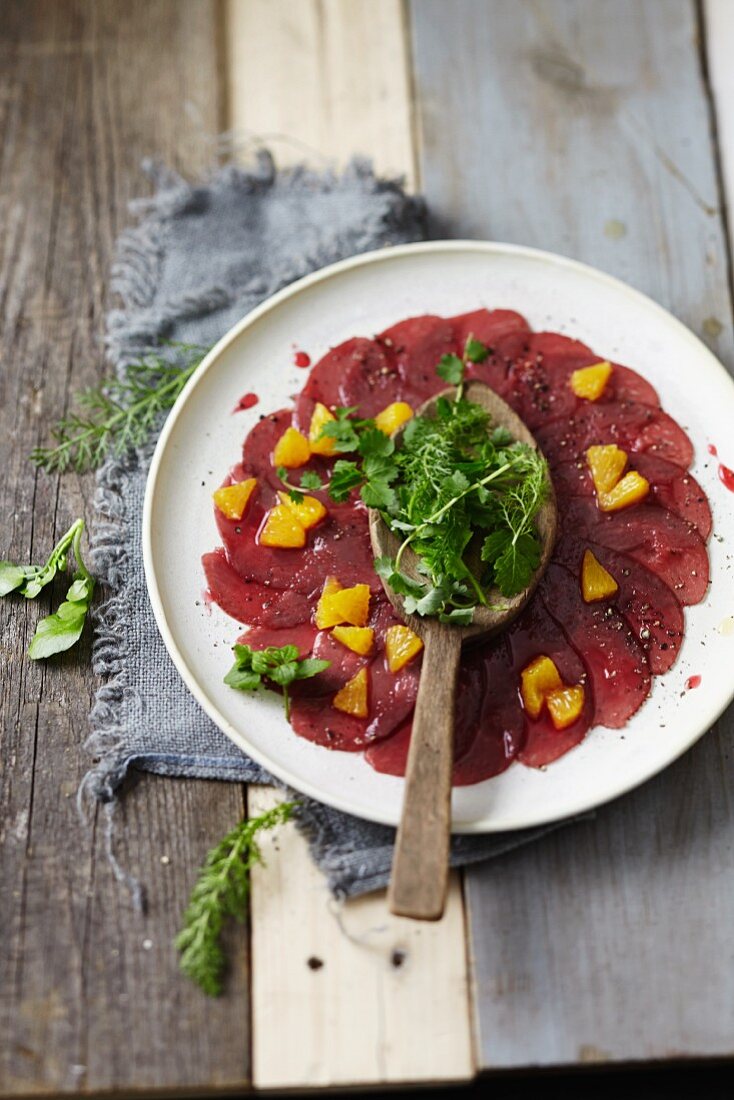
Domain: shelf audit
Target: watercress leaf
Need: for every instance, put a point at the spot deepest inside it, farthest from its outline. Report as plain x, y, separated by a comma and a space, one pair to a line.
13, 576
58, 632
283, 674
475, 351
451, 369
244, 679
311, 666
345, 476
311, 480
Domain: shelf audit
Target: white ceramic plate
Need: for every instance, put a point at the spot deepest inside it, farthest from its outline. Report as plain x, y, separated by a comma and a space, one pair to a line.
363, 296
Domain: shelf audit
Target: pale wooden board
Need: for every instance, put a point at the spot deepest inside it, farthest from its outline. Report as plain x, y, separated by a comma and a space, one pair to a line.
719, 25
565, 125
321, 80
346, 1023
384, 999
90, 995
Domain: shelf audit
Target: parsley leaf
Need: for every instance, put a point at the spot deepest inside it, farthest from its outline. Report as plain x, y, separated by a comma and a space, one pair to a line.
451, 369
475, 351
277, 665
311, 480
344, 477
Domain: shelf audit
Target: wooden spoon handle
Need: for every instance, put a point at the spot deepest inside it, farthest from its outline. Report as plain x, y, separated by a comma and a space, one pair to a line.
421, 861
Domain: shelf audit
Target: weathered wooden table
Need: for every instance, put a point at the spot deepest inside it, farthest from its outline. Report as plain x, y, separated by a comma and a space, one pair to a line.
588, 128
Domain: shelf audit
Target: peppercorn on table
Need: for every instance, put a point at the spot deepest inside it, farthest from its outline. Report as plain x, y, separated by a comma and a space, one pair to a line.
587, 128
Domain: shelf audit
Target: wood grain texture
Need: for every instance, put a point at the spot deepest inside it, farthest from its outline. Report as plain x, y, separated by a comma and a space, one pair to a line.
347, 995
420, 864
90, 996
585, 129
322, 80
719, 44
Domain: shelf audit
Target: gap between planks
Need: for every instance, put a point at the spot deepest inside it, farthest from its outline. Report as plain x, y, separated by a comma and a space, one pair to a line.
390, 1001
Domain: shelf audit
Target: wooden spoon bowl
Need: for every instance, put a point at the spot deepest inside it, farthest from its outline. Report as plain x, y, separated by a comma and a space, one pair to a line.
420, 864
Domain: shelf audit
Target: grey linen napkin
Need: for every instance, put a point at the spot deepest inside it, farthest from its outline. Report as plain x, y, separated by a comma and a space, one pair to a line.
200, 258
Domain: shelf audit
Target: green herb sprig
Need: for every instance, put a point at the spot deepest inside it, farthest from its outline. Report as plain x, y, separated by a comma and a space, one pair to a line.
58, 632
282, 665
462, 496
222, 890
122, 413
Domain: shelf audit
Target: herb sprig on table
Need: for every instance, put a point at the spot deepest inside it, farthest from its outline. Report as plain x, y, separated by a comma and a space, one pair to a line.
222, 890
462, 496
122, 413
59, 631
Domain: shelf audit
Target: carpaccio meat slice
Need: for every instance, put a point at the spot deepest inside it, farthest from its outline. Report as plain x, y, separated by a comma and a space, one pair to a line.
539, 388
617, 666
665, 544
647, 603
489, 726
536, 634
629, 424
655, 550
670, 487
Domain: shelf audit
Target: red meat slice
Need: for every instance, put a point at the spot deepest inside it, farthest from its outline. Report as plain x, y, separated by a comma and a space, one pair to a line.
632, 426
489, 723
418, 345
555, 343
670, 487
251, 602
617, 666
302, 636
539, 388
668, 546
648, 605
534, 634
326, 377
488, 326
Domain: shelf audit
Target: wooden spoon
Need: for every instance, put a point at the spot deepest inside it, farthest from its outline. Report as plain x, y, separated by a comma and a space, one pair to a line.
420, 863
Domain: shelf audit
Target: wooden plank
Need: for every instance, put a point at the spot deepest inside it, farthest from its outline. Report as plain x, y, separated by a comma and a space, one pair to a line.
350, 995
584, 128
90, 997
719, 35
326, 79
344, 1023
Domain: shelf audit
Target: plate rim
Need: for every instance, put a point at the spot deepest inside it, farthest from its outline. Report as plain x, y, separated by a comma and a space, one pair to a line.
462, 245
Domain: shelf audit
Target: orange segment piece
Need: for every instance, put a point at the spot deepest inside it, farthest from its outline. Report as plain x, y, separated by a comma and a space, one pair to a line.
629, 490
291, 450
308, 512
393, 417
319, 417
357, 638
590, 382
282, 529
607, 465
344, 605
536, 680
352, 698
401, 645
231, 500
597, 583
565, 705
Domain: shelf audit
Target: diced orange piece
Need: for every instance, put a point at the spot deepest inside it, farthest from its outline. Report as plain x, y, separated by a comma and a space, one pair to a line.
401, 645
565, 705
393, 417
291, 450
345, 605
607, 465
590, 382
282, 528
231, 500
352, 698
536, 680
357, 638
597, 583
308, 512
629, 490
319, 417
